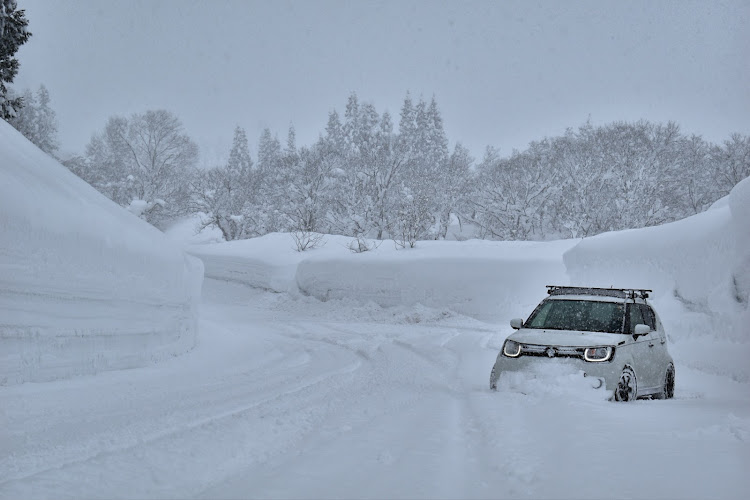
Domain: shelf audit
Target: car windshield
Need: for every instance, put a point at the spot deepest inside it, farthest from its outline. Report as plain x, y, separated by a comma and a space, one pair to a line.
579, 315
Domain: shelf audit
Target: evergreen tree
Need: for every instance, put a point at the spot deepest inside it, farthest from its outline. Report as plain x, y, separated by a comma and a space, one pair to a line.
269, 152
36, 120
351, 116
13, 34
270, 183
228, 197
46, 123
407, 124
25, 117
239, 161
335, 132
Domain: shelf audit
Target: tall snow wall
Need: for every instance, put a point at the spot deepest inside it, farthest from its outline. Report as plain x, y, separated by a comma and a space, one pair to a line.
85, 286
701, 263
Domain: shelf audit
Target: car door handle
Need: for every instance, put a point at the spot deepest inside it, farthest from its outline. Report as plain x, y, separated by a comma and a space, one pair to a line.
651, 344
663, 341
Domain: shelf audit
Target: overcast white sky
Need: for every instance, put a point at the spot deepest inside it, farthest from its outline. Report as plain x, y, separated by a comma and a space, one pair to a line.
504, 73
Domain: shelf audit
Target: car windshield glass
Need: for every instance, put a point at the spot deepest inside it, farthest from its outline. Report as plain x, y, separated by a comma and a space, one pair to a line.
579, 315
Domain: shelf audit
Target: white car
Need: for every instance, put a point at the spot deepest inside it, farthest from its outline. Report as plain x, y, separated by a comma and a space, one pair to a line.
612, 335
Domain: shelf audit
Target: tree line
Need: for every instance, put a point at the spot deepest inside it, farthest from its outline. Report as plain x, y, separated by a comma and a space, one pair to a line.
367, 179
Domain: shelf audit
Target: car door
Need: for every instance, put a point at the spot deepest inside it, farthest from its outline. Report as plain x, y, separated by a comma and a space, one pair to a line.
662, 357
644, 355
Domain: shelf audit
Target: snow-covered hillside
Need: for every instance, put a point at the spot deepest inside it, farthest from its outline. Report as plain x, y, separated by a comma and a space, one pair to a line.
84, 285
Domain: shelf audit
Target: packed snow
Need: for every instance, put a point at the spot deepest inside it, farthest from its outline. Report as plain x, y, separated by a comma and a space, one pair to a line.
332, 374
84, 285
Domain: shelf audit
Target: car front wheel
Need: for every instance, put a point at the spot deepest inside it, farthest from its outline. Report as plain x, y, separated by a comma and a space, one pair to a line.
627, 386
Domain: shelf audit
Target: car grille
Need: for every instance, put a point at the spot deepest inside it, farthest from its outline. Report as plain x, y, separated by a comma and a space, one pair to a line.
552, 351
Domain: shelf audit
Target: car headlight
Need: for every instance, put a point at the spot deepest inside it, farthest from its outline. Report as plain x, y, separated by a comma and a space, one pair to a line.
511, 348
598, 354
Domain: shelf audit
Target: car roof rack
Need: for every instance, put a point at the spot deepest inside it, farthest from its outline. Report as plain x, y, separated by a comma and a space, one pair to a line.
623, 293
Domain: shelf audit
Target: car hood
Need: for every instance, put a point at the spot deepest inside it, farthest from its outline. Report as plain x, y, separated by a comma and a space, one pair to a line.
566, 337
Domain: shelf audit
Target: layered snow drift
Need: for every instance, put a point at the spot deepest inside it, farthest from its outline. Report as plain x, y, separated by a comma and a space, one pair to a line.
84, 285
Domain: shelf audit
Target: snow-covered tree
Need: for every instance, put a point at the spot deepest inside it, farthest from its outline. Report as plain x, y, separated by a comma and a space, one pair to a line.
226, 196
37, 121
13, 34
308, 188
513, 195
732, 160
240, 162
142, 162
455, 185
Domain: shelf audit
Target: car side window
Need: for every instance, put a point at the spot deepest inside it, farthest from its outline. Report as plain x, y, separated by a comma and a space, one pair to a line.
649, 318
635, 317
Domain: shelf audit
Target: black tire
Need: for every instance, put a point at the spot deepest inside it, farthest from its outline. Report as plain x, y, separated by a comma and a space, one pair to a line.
667, 391
627, 386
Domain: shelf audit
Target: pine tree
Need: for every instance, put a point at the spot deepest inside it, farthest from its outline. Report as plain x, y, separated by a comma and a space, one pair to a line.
226, 195
351, 116
25, 117
13, 34
269, 152
36, 120
335, 132
239, 156
46, 123
407, 124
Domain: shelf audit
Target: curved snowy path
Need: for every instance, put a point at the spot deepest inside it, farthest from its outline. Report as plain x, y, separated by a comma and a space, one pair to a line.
288, 398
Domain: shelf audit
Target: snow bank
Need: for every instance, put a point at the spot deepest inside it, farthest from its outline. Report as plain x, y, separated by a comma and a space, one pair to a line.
85, 286
269, 262
700, 266
487, 280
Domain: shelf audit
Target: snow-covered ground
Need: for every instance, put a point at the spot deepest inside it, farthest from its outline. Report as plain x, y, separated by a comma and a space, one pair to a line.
328, 374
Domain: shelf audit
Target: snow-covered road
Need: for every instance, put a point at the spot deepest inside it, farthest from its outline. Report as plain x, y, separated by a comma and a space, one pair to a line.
289, 397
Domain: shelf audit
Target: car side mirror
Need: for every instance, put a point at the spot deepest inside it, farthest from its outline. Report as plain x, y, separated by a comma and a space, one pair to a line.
641, 330
516, 323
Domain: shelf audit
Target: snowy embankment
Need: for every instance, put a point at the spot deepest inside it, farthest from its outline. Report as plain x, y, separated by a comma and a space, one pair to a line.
699, 269
84, 285
483, 279
703, 261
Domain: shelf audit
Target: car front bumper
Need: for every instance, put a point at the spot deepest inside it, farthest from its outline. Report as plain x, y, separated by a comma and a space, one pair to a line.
605, 373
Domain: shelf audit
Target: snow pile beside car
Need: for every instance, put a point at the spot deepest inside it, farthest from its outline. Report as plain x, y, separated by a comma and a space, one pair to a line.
84, 285
699, 266
553, 379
